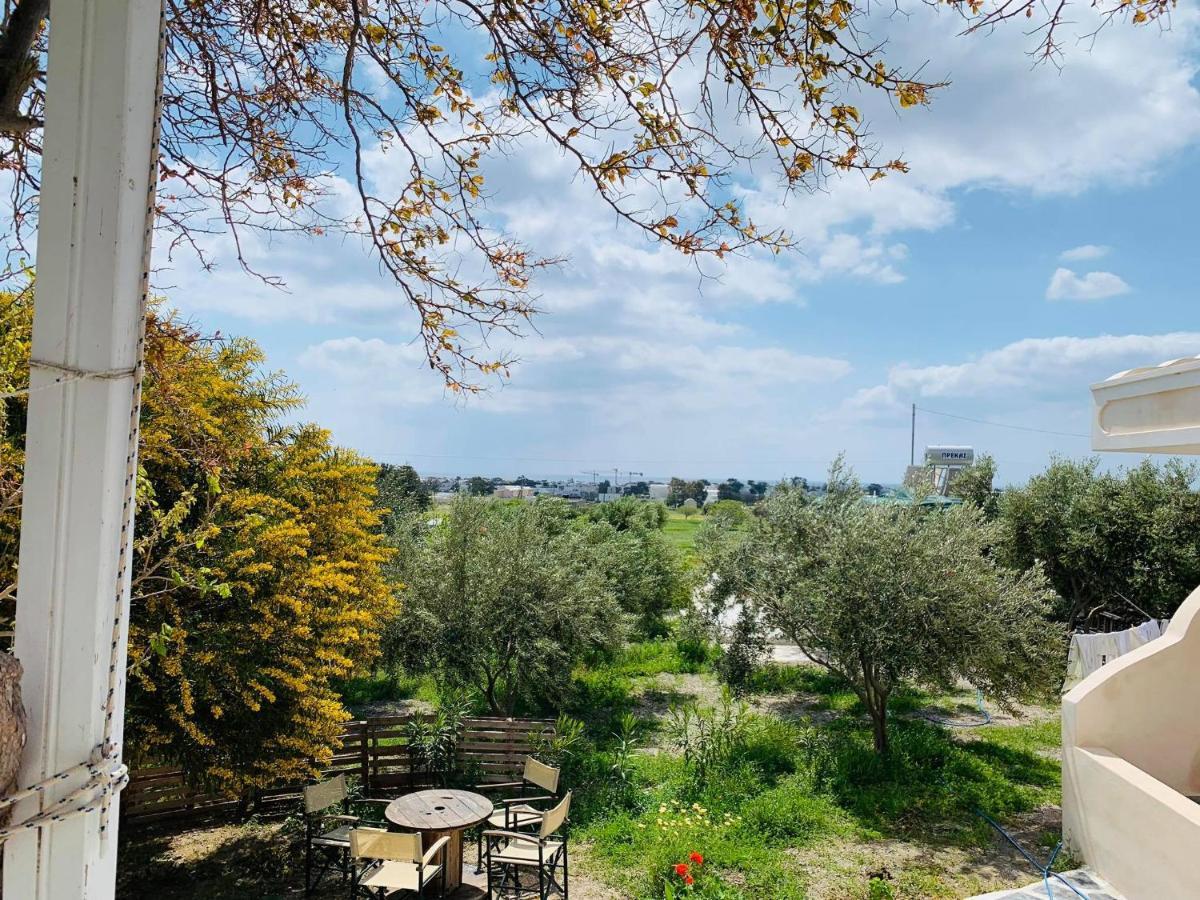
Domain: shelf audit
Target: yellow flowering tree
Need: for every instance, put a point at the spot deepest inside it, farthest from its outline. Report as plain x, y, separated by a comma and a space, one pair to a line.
257, 571
14, 374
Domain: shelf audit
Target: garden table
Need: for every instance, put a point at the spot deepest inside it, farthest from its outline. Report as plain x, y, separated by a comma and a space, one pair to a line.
441, 813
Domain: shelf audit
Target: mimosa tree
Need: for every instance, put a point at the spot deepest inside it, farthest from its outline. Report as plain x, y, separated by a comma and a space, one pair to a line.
257, 571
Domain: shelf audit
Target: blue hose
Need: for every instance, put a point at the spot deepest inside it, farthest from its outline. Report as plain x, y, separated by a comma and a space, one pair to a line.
1044, 870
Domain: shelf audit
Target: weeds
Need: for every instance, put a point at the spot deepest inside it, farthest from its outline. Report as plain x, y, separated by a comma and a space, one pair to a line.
707, 737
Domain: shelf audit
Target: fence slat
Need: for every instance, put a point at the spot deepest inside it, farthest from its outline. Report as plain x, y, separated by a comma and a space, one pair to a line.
375, 749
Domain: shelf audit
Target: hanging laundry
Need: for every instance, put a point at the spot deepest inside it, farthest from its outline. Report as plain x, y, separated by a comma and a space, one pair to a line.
1146, 632
1090, 652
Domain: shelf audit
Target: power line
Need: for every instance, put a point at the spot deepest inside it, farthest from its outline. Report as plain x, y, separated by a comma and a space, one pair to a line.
934, 412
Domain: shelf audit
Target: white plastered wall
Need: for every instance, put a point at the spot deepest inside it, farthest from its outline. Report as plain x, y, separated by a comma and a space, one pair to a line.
1131, 731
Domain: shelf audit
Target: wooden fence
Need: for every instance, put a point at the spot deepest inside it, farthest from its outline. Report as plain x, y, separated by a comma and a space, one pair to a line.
373, 751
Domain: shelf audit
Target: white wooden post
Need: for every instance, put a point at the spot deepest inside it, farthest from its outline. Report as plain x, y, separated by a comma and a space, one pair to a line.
73, 582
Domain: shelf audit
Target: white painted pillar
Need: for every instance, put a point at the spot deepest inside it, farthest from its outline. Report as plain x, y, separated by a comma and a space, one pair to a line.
73, 583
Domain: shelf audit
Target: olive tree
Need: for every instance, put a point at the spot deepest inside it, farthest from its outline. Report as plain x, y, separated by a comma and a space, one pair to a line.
888, 595
503, 599
644, 571
1120, 547
400, 490
976, 484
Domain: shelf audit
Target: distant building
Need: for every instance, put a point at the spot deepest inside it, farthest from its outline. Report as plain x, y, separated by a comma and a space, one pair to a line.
712, 494
512, 492
659, 491
942, 465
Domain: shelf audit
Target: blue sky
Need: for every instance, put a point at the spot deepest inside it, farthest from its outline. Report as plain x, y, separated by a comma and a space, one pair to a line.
1044, 239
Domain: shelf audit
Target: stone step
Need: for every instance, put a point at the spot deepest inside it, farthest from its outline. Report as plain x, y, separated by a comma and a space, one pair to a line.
1085, 881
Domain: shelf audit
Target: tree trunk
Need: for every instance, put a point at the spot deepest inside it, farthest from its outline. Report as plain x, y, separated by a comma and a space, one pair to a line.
879, 727
876, 698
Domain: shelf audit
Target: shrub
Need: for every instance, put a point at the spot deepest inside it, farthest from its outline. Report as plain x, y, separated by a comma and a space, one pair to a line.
707, 737
433, 742
746, 651
556, 748
791, 814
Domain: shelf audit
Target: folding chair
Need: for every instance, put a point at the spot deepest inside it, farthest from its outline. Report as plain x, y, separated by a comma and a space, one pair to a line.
394, 862
513, 853
327, 832
518, 813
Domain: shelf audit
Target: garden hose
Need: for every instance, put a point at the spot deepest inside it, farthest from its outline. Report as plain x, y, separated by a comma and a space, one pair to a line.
1044, 870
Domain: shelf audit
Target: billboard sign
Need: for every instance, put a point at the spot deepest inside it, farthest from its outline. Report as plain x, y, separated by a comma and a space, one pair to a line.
949, 456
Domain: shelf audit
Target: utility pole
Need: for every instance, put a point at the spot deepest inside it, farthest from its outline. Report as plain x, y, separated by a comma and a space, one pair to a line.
912, 447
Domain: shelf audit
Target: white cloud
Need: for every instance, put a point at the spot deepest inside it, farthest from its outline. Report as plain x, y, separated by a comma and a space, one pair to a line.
1004, 125
1085, 252
1000, 125
370, 372
1066, 285
737, 368
640, 345
1029, 369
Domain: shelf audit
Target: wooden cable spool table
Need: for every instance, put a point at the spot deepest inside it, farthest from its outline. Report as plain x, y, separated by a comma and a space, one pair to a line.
438, 813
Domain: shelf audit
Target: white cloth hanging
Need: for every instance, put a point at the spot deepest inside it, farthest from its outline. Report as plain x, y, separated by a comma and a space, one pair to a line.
1090, 652
1146, 632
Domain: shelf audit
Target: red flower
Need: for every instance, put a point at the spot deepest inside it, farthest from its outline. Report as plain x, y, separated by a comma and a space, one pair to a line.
696, 858
688, 879
681, 869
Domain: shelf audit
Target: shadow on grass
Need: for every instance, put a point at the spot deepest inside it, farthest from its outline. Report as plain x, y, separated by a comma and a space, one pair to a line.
265, 862
599, 699
604, 690
928, 783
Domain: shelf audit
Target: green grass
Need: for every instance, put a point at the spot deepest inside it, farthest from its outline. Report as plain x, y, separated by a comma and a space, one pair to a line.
650, 658
681, 530
792, 785
381, 687
604, 689
1031, 738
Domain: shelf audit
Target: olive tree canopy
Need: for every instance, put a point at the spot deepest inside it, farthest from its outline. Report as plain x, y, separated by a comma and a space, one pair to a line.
887, 595
1119, 547
503, 599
